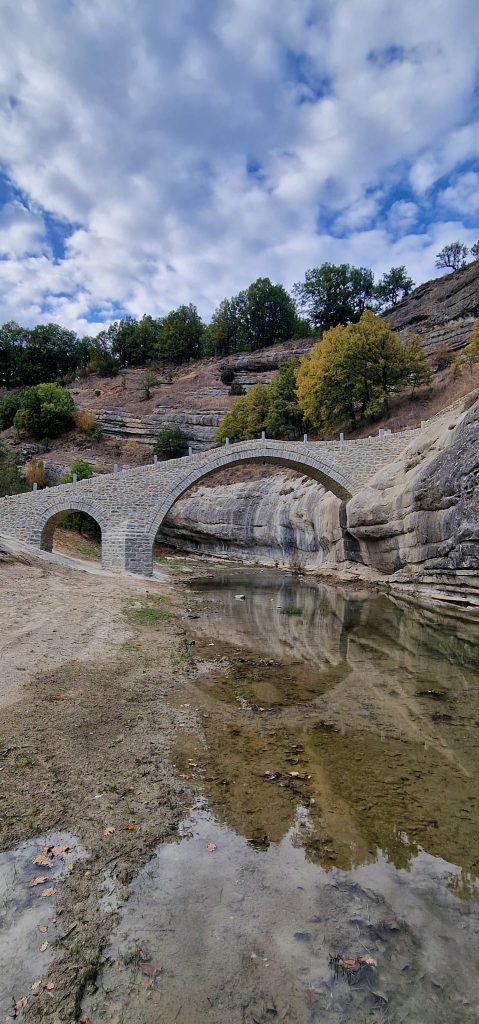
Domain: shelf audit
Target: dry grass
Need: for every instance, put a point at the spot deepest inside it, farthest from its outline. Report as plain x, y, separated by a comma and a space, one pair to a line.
35, 472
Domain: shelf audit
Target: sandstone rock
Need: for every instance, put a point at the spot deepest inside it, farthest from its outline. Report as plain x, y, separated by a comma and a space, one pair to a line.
441, 311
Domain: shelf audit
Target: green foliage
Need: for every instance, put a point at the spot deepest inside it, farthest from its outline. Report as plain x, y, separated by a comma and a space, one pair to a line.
474, 251
419, 369
332, 295
82, 469
171, 443
181, 335
271, 407
470, 354
10, 479
352, 372
227, 375
236, 389
46, 352
452, 257
263, 314
393, 286
46, 410
9, 406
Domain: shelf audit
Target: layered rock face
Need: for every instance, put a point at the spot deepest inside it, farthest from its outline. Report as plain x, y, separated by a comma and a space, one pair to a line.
422, 512
273, 520
442, 311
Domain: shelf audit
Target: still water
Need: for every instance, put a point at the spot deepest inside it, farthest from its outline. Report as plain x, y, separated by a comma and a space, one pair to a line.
339, 815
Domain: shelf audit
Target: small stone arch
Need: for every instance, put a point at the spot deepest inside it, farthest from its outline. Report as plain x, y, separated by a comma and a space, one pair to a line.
300, 458
52, 516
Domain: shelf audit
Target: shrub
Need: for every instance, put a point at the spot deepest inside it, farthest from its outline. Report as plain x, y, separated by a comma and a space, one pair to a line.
46, 410
171, 443
88, 424
9, 406
236, 389
82, 469
35, 472
227, 375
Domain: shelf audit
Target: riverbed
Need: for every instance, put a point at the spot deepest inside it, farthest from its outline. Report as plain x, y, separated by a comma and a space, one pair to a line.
291, 774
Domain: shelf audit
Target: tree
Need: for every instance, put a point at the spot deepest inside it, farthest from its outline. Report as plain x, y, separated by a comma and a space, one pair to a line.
352, 372
46, 410
228, 330
270, 314
470, 354
271, 407
393, 286
419, 369
9, 406
181, 335
452, 257
171, 443
332, 295
10, 479
474, 251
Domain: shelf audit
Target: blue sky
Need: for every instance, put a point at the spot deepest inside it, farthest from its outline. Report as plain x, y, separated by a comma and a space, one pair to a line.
154, 153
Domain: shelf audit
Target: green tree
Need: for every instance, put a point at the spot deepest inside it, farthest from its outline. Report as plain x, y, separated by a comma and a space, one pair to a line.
270, 314
10, 479
270, 407
171, 443
452, 257
352, 372
332, 295
419, 369
474, 251
181, 335
9, 406
393, 286
13, 343
46, 410
228, 330
470, 354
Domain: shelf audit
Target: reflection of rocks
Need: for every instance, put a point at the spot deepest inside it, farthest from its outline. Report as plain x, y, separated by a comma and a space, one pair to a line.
350, 706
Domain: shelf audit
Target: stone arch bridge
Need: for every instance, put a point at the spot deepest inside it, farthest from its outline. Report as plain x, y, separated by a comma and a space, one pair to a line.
129, 505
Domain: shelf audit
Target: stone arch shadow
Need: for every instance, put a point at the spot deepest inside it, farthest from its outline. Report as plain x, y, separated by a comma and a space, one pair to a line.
324, 471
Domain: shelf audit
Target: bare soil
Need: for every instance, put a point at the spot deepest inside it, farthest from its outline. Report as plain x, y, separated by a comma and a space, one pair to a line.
85, 733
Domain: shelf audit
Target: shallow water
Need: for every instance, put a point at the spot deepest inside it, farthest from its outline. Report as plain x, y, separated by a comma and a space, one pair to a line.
339, 815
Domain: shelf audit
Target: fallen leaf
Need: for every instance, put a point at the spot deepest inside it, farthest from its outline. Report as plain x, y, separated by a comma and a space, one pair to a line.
37, 881
110, 829
37, 985
211, 847
49, 892
20, 1003
58, 850
129, 826
368, 961
41, 859
144, 956
43, 928
43, 947
85, 1019
49, 985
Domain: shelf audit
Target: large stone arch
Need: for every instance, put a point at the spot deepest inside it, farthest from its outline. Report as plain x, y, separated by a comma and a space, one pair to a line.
301, 458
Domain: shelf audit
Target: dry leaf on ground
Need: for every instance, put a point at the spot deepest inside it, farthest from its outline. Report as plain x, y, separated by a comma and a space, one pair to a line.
37, 985
50, 891
58, 850
42, 928
129, 826
49, 985
20, 1003
43, 947
43, 860
211, 847
39, 880
109, 830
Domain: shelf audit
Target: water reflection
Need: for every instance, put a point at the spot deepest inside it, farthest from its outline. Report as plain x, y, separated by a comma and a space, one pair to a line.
340, 814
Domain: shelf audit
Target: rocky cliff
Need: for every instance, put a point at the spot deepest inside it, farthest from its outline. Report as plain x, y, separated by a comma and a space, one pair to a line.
441, 311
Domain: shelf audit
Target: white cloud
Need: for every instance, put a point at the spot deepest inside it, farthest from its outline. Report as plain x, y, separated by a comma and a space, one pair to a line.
463, 195
135, 123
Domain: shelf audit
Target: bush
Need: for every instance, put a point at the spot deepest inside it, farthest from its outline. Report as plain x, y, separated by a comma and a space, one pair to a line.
10, 479
88, 424
82, 469
236, 389
9, 407
227, 375
171, 443
46, 410
35, 473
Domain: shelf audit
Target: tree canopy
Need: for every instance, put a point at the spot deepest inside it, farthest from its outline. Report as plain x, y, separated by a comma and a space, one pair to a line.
332, 295
352, 372
270, 407
46, 410
263, 314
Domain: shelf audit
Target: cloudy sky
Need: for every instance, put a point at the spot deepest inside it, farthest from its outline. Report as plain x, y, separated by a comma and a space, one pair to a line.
154, 152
